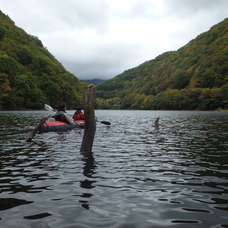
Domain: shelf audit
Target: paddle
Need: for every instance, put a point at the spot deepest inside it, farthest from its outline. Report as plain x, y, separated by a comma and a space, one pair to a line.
49, 108
104, 122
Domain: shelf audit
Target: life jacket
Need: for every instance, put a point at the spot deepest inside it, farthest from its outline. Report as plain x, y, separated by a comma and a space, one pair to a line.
79, 115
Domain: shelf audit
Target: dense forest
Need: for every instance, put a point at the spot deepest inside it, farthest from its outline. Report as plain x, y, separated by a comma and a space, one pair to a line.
195, 77
30, 75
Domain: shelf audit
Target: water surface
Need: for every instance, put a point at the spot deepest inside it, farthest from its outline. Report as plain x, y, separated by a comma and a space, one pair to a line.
137, 176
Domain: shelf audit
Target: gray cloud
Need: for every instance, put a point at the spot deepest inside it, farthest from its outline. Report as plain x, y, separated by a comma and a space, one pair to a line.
102, 38
185, 8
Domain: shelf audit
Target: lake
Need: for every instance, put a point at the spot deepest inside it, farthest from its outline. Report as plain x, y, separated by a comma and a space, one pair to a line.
137, 176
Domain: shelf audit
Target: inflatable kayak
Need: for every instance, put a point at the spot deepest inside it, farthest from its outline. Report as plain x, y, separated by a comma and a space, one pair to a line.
60, 126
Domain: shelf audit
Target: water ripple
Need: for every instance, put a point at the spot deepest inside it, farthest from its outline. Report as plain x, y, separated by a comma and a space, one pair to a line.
136, 176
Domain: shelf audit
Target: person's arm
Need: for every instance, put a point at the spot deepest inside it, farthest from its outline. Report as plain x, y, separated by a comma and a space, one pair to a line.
53, 116
68, 120
74, 116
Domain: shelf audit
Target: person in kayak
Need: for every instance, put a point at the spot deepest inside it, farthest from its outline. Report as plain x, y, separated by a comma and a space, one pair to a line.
61, 115
78, 115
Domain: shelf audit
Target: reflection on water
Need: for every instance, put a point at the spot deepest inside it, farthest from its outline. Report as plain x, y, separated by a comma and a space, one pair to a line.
88, 182
137, 176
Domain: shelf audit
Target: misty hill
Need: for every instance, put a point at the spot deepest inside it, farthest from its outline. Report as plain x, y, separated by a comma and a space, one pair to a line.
30, 75
193, 77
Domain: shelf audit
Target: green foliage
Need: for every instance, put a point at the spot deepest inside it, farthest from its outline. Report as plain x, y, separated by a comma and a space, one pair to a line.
9, 65
193, 77
29, 75
2, 33
224, 95
4, 87
24, 55
37, 41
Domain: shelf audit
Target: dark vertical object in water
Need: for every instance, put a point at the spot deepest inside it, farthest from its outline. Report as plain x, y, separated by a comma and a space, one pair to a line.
33, 132
156, 124
90, 121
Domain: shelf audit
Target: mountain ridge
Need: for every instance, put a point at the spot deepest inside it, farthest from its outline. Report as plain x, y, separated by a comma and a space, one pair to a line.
198, 69
30, 75
193, 77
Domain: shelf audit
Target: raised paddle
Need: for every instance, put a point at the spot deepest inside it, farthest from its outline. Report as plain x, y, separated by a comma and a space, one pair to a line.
48, 107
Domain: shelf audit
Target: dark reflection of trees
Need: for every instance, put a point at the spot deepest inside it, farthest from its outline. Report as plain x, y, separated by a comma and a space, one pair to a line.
88, 171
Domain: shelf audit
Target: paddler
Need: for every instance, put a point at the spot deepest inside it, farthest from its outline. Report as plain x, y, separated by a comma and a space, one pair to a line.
78, 115
61, 115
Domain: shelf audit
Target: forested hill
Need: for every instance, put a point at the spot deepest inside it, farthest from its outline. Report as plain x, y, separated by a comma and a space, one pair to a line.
193, 77
30, 75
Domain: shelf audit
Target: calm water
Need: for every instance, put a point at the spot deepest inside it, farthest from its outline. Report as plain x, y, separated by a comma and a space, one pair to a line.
136, 177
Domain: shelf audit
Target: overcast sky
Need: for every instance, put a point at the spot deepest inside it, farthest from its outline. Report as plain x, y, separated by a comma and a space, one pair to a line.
103, 38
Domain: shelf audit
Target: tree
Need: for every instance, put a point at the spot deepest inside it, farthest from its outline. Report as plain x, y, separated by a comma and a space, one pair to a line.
2, 33
224, 94
210, 99
4, 87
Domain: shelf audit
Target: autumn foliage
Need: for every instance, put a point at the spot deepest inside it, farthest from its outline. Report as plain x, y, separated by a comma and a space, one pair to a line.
193, 77
29, 75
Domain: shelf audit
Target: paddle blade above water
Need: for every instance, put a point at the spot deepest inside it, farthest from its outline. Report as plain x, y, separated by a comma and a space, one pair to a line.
105, 122
48, 107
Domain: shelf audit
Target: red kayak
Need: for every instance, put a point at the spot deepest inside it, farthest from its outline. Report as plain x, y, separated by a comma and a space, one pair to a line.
60, 126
